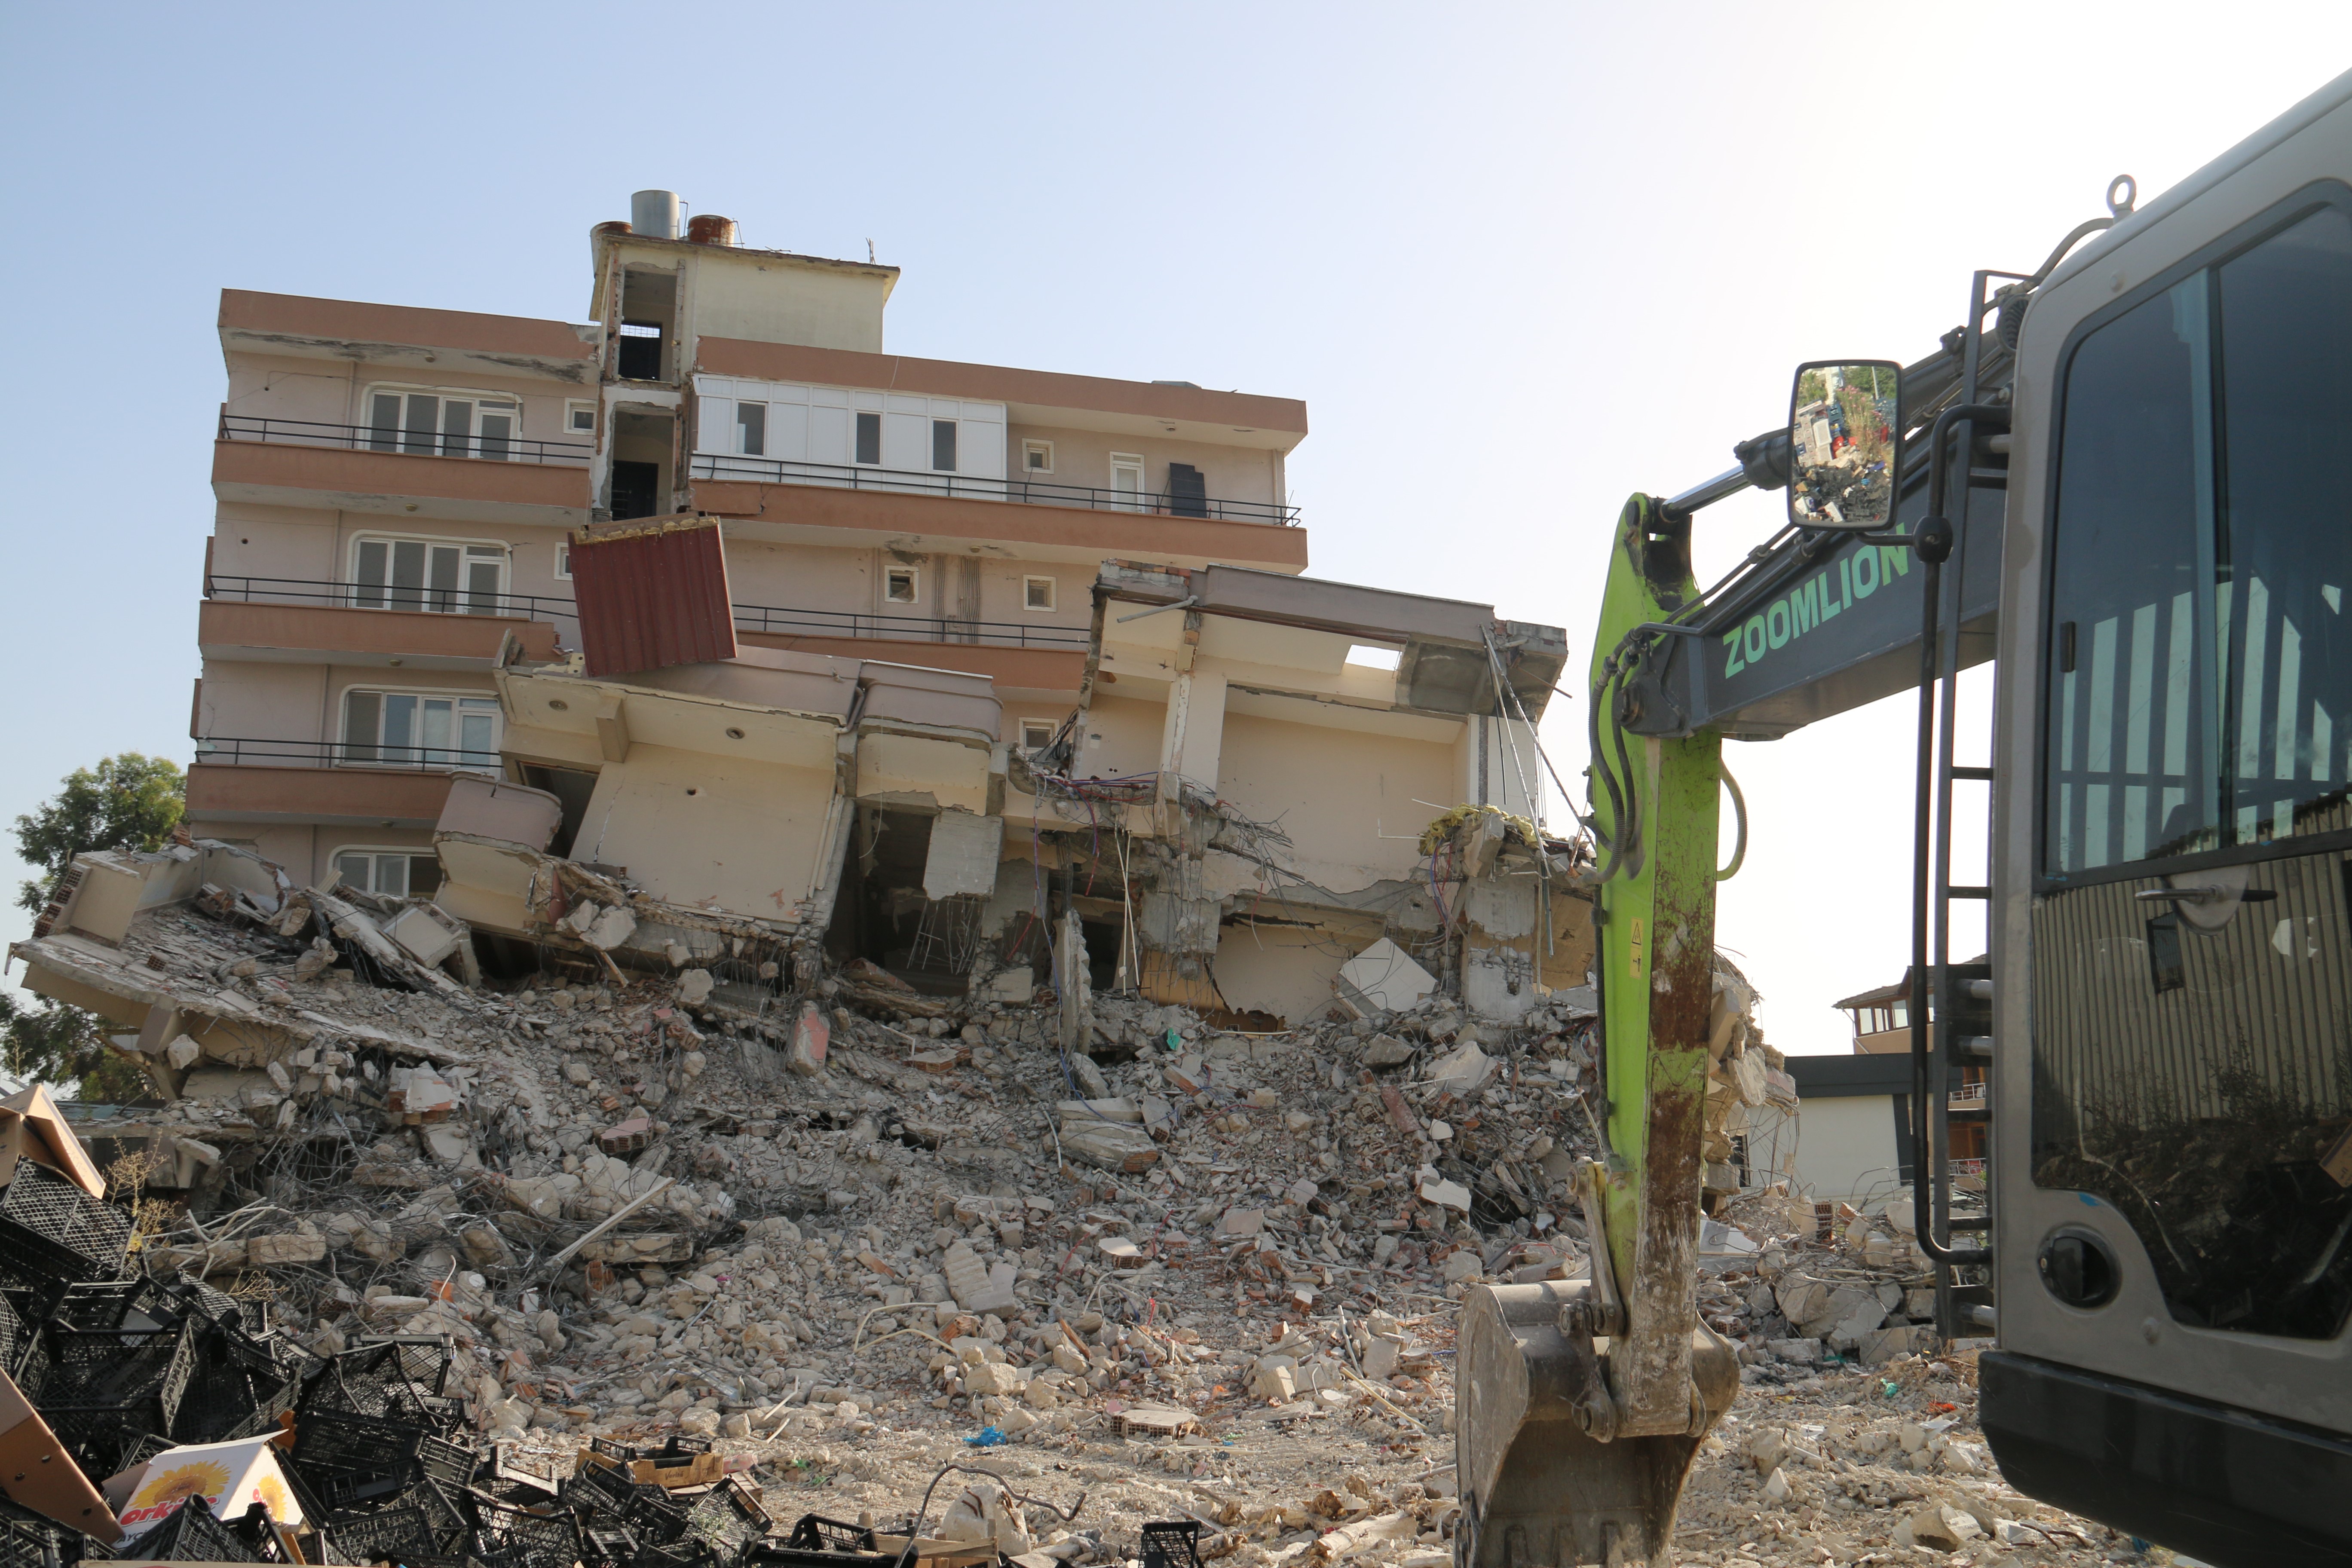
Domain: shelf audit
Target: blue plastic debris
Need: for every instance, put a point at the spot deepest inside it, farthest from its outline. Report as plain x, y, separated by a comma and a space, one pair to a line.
989, 1437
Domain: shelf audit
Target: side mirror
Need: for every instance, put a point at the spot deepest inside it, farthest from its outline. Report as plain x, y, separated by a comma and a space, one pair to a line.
1845, 427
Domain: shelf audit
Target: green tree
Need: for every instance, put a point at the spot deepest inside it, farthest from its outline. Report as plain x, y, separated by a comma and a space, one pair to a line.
128, 802
56, 1044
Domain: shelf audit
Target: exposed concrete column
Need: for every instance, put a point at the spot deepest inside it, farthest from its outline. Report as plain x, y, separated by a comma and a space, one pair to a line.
1194, 734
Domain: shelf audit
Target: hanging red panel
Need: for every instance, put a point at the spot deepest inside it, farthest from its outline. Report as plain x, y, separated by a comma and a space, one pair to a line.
652, 595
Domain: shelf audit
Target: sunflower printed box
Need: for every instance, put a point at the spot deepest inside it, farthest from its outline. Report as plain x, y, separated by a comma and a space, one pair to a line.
231, 1476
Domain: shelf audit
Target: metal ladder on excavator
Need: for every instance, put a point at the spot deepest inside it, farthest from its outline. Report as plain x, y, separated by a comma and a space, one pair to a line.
1951, 1005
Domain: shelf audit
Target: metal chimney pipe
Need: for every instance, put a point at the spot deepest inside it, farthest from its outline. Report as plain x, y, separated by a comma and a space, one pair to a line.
654, 213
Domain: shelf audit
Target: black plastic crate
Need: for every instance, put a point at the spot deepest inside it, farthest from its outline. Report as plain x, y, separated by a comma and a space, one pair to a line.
108, 1367
815, 1532
606, 1543
102, 1390
401, 1380
728, 1518
607, 1490
115, 1303
420, 1527
28, 1540
190, 1533
691, 1551
1171, 1543
510, 1537
48, 1226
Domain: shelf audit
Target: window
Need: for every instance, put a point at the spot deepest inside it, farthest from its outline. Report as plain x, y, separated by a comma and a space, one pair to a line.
580, 418
443, 423
640, 350
431, 574
563, 563
1038, 592
394, 873
943, 445
2197, 724
2201, 665
1036, 734
420, 728
902, 585
751, 428
1127, 481
1037, 456
869, 436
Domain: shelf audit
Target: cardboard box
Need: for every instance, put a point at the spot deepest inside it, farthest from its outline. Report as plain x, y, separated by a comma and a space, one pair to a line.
231, 1476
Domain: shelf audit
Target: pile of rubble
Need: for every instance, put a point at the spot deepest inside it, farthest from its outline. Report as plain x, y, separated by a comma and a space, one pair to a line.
835, 1243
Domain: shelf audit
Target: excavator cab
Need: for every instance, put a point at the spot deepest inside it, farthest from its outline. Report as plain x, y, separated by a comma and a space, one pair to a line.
2124, 478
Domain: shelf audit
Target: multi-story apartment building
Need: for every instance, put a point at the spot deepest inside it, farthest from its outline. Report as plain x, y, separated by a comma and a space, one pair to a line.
1060, 617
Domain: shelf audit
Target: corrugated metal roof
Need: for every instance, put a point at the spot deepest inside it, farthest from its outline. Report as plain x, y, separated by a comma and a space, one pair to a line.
652, 595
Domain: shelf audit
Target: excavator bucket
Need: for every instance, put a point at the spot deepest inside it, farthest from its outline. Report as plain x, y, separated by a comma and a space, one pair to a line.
1544, 1477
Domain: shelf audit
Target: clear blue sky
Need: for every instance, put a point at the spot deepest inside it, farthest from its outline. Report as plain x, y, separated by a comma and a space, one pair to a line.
1518, 261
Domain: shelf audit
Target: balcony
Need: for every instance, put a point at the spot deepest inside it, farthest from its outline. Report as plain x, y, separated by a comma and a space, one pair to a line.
1029, 492
295, 620
240, 780
791, 500
1967, 1097
362, 467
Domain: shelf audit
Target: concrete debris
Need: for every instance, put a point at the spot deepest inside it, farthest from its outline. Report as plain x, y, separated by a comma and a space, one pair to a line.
641, 1222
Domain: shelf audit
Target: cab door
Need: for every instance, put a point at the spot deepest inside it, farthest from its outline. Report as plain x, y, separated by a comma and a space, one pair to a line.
2173, 955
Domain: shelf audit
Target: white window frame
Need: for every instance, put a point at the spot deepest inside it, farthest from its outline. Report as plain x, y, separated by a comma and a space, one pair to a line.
564, 561
378, 852
1041, 728
914, 575
572, 408
857, 416
1134, 460
415, 753
473, 441
1052, 595
735, 406
1028, 447
465, 598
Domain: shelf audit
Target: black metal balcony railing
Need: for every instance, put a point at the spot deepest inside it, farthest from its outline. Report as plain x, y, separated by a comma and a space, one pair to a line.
772, 620
385, 596
1032, 492
341, 754
776, 622
414, 443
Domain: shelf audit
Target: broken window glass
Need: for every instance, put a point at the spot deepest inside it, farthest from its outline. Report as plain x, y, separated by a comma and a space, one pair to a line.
751, 428
2192, 943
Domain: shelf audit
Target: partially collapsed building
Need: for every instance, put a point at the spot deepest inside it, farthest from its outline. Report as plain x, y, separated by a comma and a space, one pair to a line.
705, 633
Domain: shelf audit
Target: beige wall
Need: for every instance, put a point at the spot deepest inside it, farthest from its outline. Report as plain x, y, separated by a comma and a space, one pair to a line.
1348, 800
264, 701
313, 544
771, 300
1845, 1146
746, 839
1083, 458
1121, 737
1284, 971
269, 386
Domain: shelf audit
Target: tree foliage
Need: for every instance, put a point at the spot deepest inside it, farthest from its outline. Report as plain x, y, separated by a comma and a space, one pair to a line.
126, 802
56, 1044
